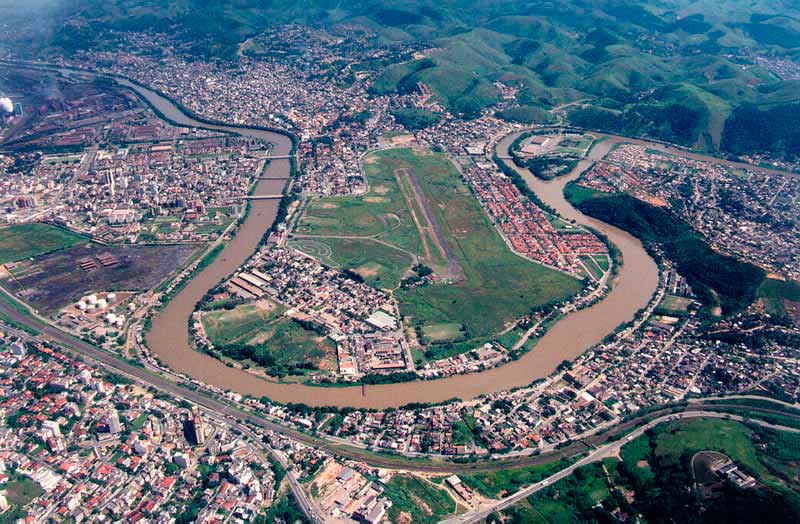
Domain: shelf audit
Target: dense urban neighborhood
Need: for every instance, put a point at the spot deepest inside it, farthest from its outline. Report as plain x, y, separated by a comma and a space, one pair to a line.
302, 283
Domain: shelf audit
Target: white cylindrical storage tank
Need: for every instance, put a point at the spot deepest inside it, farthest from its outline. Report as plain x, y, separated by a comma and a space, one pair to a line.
111, 297
102, 304
81, 305
92, 299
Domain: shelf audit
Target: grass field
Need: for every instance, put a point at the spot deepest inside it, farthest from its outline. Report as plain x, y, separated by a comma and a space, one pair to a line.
491, 273
378, 264
420, 499
28, 240
379, 225
674, 305
444, 332
225, 326
725, 436
505, 481
261, 328
20, 491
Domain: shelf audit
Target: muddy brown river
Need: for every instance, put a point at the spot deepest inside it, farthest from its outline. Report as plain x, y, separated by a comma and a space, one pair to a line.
168, 338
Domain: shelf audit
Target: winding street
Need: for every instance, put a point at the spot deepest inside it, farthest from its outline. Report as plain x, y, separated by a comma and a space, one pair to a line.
603, 452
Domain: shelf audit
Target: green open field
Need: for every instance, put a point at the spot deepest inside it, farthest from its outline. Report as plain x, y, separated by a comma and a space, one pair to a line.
259, 333
20, 491
506, 481
689, 437
447, 331
378, 264
592, 265
382, 236
491, 274
674, 305
225, 326
575, 145
422, 500
28, 240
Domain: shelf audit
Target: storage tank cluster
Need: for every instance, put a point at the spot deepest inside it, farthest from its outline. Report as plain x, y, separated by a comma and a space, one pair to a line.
115, 320
92, 303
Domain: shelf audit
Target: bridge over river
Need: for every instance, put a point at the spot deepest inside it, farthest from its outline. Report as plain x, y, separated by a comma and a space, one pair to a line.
168, 337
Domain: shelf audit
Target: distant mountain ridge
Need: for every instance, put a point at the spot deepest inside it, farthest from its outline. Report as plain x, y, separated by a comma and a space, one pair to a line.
671, 69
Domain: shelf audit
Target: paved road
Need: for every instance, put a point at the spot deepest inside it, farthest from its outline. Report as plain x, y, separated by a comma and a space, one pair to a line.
206, 401
262, 449
609, 450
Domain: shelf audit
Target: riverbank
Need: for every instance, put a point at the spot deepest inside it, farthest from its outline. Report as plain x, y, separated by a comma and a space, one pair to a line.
168, 338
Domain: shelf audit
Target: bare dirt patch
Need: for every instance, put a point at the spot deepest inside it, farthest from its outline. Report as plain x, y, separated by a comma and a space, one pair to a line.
50, 282
655, 201
266, 306
402, 140
375, 199
327, 205
370, 270
381, 189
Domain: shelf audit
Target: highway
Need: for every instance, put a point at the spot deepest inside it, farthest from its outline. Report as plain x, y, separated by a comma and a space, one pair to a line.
236, 417
609, 450
232, 413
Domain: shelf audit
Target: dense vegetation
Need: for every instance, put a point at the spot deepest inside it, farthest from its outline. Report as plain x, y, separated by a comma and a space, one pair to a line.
413, 118
526, 115
750, 129
654, 479
672, 69
674, 123
715, 278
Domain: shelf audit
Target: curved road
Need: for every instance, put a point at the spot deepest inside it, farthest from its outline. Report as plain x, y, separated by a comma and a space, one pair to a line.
168, 338
234, 415
606, 451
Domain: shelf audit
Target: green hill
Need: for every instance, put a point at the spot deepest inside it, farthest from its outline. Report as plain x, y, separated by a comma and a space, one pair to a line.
671, 69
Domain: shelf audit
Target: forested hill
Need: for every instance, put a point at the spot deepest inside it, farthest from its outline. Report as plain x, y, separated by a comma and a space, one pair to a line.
671, 69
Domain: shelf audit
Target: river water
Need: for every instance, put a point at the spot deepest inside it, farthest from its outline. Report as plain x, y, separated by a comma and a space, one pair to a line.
168, 338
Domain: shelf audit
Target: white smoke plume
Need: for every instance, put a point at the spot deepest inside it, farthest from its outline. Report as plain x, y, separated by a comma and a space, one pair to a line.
6, 105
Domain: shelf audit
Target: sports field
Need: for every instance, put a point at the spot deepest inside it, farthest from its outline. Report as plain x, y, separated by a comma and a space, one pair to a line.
28, 240
418, 204
675, 305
